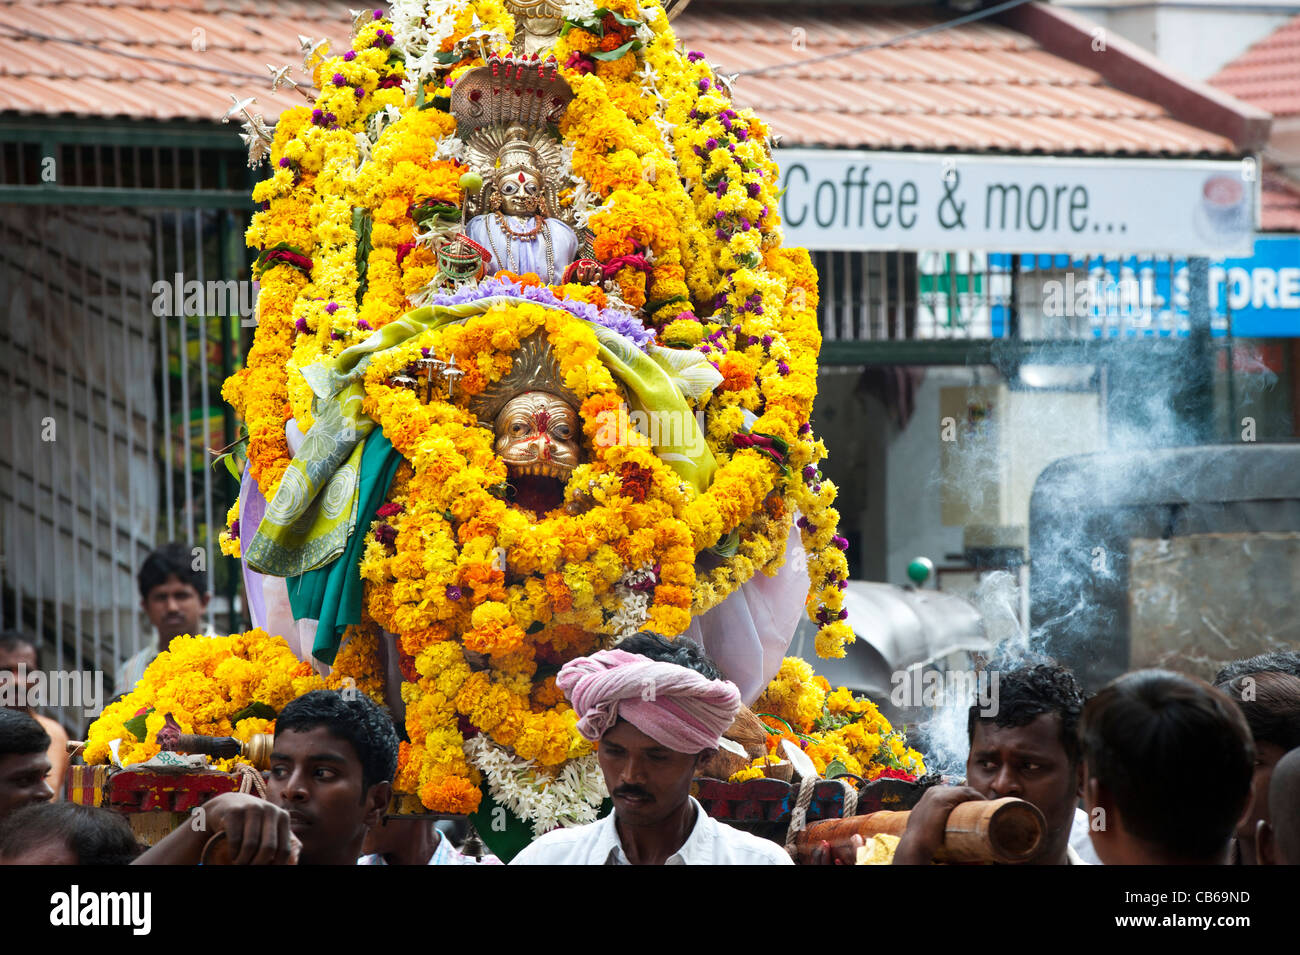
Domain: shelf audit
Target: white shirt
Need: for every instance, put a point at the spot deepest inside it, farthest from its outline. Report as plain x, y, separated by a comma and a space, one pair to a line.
445, 854
1080, 841
710, 843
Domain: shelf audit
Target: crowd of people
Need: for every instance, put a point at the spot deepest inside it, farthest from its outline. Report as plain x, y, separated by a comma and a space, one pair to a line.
1111, 774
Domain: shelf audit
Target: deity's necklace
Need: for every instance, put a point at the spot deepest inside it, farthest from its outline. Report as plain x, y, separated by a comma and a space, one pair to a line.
510, 261
508, 229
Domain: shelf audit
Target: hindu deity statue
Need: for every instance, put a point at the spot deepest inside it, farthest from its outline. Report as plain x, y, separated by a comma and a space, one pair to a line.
537, 426
537, 24
520, 229
503, 112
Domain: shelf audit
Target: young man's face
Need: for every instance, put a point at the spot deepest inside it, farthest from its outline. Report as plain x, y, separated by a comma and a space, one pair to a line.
1030, 763
174, 608
12, 662
646, 780
22, 781
316, 777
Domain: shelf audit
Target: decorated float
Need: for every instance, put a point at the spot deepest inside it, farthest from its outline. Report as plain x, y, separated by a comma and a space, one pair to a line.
532, 371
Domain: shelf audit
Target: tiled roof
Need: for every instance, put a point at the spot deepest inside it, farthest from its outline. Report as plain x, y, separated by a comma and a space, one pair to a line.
1268, 74
1279, 206
155, 59
981, 87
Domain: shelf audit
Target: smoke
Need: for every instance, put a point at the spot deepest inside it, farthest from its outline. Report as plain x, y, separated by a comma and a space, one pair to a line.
998, 600
1146, 399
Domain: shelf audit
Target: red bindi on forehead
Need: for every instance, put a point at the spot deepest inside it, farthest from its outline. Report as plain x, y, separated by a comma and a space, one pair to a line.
542, 416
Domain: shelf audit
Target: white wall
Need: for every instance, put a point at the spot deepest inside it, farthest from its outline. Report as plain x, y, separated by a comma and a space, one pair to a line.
1195, 38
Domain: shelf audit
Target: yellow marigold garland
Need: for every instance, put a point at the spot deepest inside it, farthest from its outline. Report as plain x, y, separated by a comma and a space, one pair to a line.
685, 199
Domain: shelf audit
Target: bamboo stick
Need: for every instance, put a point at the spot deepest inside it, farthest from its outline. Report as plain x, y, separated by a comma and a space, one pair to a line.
1007, 831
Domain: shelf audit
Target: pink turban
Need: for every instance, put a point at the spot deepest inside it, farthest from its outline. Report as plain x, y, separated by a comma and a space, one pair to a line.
673, 705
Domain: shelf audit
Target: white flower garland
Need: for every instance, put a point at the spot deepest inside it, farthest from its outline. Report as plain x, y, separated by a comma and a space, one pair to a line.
571, 798
634, 606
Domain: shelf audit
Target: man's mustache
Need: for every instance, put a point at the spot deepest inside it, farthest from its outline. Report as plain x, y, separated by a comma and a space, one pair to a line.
634, 791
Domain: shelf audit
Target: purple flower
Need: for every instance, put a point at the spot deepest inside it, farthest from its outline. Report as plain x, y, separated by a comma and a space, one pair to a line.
336, 334
817, 488
805, 428
349, 56
752, 188
843, 585
803, 523
719, 215
285, 162
782, 367
694, 56
424, 352
360, 92
694, 113
744, 225
710, 143
758, 309
721, 233
626, 325
705, 348
809, 472
379, 14
726, 122
340, 79
742, 134
840, 542
453, 592
300, 325
767, 341
704, 85
331, 308
234, 528
362, 323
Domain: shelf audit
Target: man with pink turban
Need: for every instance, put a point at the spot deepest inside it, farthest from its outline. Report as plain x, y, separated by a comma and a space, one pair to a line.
658, 708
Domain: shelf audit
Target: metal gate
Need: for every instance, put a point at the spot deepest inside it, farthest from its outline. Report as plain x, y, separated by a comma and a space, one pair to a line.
114, 355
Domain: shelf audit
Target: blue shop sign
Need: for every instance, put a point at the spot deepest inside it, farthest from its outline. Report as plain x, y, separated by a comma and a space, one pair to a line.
1147, 297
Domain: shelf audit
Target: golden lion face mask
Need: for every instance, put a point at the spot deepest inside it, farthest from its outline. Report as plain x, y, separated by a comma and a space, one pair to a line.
537, 436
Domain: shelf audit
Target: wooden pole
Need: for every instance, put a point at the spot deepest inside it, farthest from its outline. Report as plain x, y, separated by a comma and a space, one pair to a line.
1007, 831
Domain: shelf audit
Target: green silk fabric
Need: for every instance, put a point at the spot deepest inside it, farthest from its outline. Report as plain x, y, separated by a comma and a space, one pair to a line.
332, 594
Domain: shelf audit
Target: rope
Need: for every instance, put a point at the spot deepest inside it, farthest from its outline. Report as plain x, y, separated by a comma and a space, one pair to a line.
799, 815
850, 798
250, 779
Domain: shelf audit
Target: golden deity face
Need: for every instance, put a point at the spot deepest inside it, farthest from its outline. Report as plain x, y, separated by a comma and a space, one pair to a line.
537, 436
520, 191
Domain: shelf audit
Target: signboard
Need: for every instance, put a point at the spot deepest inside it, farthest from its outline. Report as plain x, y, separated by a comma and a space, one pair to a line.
1258, 296
856, 200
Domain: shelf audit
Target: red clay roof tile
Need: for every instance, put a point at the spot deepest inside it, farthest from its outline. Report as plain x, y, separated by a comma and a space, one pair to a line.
980, 87
1268, 74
